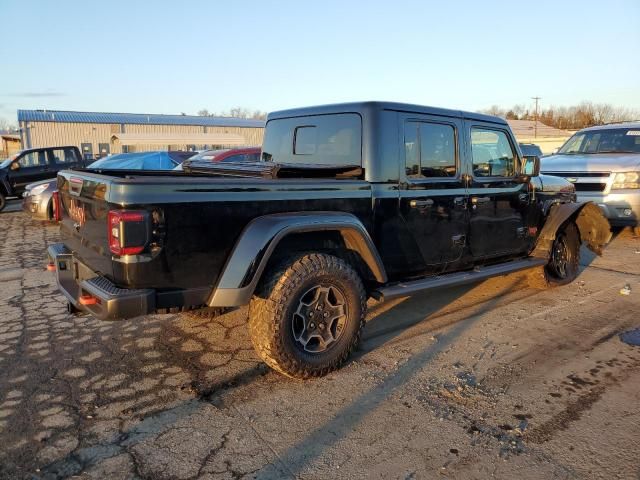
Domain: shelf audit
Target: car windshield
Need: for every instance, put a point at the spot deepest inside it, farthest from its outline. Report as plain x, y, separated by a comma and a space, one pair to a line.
614, 140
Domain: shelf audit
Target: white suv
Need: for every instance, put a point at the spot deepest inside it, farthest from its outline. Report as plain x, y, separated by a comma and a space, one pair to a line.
604, 165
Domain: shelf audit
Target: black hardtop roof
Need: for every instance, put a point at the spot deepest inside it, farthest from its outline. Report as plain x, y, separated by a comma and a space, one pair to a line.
373, 106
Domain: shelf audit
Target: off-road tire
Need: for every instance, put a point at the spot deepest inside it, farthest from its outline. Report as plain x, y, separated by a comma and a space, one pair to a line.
3, 202
546, 277
271, 314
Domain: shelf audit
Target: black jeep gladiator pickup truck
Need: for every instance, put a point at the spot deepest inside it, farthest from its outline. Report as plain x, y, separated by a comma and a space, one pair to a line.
350, 201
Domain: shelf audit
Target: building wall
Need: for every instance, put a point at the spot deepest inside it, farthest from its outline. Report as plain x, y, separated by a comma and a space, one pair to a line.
8, 147
45, 134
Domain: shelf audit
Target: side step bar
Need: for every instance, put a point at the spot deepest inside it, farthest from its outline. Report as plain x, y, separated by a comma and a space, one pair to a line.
405, 289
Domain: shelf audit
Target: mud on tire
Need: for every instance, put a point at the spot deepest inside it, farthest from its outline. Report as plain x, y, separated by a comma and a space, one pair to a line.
564, 260
307, 315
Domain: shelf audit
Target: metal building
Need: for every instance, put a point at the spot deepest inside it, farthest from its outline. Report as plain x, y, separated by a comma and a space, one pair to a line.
99, 134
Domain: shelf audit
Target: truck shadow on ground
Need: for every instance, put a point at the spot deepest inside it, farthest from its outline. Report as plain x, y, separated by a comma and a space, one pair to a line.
427, 311
77, 390
119, 378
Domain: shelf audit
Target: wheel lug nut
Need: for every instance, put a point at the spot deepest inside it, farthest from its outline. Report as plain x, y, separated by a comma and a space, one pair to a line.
326, 314
321, 326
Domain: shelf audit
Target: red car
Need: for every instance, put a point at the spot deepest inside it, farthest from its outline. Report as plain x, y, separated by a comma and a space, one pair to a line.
248, 154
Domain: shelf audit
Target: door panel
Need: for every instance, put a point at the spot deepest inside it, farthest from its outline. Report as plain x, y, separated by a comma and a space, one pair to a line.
498, 202
432, 195
103, 150
33, 167
87, 151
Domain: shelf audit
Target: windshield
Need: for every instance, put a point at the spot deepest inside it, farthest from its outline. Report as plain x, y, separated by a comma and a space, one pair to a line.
615, 140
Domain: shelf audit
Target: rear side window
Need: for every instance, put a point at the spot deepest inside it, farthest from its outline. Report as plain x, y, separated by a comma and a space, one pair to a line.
322, 140
63, 156
492, 153
430, 150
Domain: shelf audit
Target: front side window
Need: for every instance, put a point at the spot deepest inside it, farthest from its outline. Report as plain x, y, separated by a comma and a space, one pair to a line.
430, 150
492, 153
334, 139
33, 159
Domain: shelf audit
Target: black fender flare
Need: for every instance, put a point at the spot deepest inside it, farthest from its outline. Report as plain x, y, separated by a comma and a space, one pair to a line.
593, 226
261, 236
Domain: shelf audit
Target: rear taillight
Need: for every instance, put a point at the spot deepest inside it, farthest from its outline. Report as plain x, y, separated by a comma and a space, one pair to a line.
56, 207
127, 231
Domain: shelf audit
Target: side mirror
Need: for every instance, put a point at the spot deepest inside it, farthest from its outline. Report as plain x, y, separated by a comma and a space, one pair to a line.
15, 166
531, 165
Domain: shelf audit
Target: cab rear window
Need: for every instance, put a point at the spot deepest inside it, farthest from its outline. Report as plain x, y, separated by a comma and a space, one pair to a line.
318, 139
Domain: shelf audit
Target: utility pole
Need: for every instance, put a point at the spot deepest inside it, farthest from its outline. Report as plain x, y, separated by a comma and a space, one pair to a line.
535, 117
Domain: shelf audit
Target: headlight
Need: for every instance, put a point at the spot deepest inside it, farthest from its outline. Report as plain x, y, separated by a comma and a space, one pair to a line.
38, 190
626, 180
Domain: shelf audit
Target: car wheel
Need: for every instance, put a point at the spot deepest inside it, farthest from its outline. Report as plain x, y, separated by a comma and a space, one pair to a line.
3, 202
564, 260
307, 315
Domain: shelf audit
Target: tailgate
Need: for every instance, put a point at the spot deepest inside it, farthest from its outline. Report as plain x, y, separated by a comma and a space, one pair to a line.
84, 218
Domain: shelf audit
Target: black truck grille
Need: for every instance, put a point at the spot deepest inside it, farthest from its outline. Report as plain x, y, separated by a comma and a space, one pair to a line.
585, 181
590, 187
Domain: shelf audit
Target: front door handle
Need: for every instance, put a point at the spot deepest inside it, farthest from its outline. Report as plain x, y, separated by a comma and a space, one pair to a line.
421, 203
524, 197
460, 202
479, 200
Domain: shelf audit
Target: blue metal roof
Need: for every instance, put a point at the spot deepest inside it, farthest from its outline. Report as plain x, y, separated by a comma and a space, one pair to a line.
134, 118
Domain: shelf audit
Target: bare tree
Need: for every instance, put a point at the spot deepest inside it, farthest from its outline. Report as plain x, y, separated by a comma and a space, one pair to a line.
574, 117
236, 112
6, 125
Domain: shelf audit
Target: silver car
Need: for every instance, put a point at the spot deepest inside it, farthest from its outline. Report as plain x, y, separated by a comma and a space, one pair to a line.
38, 199
604, 165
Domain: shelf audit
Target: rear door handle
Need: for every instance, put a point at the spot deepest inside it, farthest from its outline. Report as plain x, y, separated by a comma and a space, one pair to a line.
421, 203
479, 200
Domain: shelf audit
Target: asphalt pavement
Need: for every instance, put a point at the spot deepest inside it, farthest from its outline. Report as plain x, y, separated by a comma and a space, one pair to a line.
493, 380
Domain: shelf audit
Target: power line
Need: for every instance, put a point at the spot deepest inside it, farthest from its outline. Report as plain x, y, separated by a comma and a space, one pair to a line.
535, 117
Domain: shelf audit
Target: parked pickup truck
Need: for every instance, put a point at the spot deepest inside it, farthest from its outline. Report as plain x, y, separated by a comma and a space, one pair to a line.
32, 165
349, 202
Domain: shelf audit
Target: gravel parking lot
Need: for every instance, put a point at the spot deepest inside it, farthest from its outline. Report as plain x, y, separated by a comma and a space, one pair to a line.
490, 380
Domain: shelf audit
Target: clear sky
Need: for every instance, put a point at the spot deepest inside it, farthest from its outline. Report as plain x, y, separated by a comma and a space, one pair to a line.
182, 56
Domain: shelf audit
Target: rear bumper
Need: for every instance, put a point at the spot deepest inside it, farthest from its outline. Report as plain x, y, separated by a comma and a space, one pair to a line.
76, 280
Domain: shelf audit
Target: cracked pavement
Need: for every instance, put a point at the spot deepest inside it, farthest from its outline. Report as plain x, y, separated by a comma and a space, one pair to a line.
493, 379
